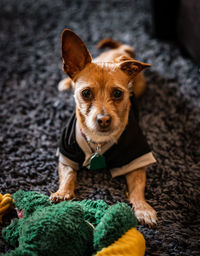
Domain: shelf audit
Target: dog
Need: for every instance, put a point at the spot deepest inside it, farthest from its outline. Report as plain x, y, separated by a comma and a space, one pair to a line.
103, 132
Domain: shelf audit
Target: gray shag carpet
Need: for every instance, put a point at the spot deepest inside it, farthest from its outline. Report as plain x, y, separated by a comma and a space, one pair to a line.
33, 112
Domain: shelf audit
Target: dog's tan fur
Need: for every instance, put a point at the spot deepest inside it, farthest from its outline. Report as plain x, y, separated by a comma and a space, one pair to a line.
115, 54
112, 70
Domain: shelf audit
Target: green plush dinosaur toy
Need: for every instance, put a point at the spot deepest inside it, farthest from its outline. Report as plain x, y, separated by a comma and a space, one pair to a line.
72, 228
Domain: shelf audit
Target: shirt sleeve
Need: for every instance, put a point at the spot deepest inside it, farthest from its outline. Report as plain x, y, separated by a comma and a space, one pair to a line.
140, 162
66, 161
68, 147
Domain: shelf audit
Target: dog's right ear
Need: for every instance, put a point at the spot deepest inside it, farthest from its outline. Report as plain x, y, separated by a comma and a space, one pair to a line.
74, 53
131, 66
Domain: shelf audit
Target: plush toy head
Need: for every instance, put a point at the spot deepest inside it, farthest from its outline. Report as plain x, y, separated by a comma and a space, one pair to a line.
30, 201
71, 228
48, 229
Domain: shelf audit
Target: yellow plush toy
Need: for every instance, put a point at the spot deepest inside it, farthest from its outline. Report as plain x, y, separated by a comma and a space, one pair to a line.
131, 243
6, 203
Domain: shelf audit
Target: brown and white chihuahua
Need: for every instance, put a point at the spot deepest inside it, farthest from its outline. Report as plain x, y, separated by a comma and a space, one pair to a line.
102, 90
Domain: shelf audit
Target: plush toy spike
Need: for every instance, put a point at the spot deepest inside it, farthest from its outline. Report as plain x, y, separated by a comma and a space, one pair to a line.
6, 203
132, 243
118, 219
94, 210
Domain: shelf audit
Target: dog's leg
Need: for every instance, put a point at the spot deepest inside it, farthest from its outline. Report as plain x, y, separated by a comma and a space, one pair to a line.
136, 181
65, 84
67, 178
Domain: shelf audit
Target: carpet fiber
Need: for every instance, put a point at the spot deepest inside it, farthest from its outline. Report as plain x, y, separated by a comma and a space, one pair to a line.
33, 112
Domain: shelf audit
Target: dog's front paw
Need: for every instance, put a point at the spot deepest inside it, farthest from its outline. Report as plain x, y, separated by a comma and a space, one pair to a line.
145, 213
61, 196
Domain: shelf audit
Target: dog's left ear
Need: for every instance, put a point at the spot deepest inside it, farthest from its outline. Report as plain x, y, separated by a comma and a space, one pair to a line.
74, 53
130, 66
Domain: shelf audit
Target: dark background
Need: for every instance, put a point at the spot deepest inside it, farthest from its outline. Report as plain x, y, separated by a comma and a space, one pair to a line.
33, 112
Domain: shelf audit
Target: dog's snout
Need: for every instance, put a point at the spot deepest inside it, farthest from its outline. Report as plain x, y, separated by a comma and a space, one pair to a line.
103, 120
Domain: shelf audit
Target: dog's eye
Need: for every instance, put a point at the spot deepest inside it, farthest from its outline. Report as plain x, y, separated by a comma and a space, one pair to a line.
117, 94
87, 94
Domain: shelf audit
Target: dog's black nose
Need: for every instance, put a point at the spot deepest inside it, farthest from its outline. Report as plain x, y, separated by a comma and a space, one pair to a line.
103, 120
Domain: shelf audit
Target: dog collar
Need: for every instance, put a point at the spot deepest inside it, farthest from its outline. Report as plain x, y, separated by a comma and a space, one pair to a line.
97, 160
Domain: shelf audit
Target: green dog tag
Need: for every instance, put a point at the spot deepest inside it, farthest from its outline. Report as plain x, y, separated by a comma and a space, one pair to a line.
97, 161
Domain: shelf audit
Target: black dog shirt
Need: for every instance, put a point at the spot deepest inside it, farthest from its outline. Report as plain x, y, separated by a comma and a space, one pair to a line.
128, 154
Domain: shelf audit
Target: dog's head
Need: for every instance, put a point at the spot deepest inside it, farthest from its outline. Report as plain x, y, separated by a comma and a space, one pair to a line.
101, 90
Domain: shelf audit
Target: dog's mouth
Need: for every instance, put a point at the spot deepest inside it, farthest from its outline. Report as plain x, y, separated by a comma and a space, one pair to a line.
104, 130
99, 135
